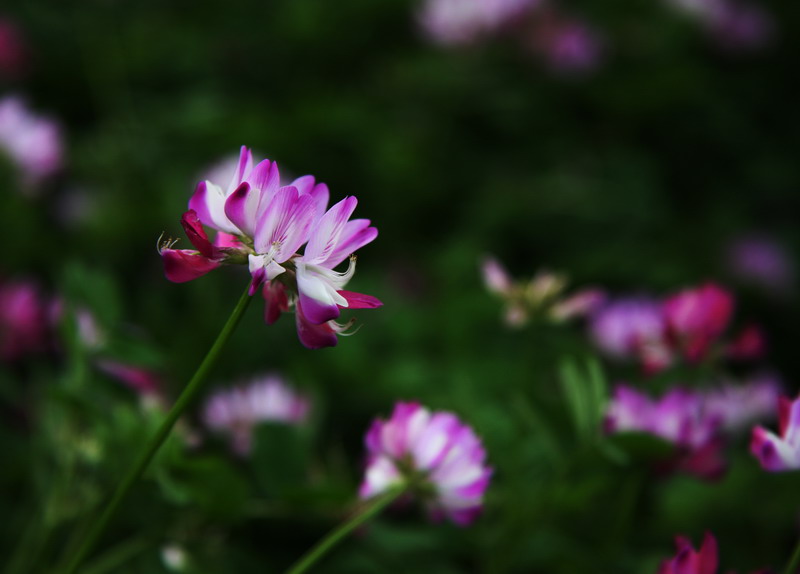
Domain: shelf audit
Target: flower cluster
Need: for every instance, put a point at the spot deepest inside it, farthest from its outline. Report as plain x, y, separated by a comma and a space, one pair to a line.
32, 142
694, 421
23, 319
543, 296
238, 410
688, 325
439, 457
687, 560
263, 224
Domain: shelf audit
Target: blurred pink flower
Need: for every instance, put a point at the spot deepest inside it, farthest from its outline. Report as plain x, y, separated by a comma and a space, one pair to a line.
464, 21
748, 345
13, 54
237, 411
697, 317
263, 224
142, 380
689, 561
761, 261
32, 142
24, 326
440, 457
632, 328
568, 45
779, 453
678, 417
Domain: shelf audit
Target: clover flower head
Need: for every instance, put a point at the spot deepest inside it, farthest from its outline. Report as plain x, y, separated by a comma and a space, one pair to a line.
696, 317
238, 410
441, 459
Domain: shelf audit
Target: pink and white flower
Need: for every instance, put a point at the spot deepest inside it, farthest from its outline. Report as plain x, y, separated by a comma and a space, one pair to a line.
263, 224
679, 417
237, 411
439, 457
737, 406
31, 141
781, 452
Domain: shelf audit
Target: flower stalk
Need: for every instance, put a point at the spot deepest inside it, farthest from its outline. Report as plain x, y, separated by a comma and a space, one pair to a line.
136, 471
370, 509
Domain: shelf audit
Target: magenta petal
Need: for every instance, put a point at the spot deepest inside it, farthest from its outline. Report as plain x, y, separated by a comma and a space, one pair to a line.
241, 206
265, 177
317, 312
181, 265
360, 300
196, 234
199, 204
314, 336
275, 300
356, 234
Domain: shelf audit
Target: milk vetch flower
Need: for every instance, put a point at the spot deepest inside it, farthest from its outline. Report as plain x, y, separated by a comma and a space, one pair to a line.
435, 454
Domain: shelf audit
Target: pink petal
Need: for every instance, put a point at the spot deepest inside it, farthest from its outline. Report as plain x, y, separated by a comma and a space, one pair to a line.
241, 207
314, 336
325, 235
196, 234
356, 234
360, 300
181, 265
276, 301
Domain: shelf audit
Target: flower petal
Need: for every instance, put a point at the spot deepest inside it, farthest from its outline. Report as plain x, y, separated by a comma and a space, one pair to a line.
181, 265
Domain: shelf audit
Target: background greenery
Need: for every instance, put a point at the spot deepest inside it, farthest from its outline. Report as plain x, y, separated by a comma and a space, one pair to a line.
633, 178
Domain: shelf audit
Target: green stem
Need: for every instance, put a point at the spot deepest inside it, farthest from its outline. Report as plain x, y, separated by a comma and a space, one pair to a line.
372, 508
180, 405
791, 568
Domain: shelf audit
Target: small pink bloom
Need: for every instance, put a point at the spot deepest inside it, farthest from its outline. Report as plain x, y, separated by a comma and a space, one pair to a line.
441, 456
23, 320
238, 410
737, 406
32, 142
689, 561
779, 453
697, 317
581, 304
742, 26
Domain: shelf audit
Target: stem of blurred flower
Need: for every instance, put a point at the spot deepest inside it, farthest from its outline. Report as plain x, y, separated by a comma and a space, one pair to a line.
791, 568
370, 509
161, 435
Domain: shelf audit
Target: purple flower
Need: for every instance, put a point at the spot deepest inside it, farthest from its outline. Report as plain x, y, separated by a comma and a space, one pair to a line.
263, 224
464, 21
632, 328
739, 26
761, 261
32, 142
436, 454
24, 326
779, 453
678, 417
238, 410
739, 405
